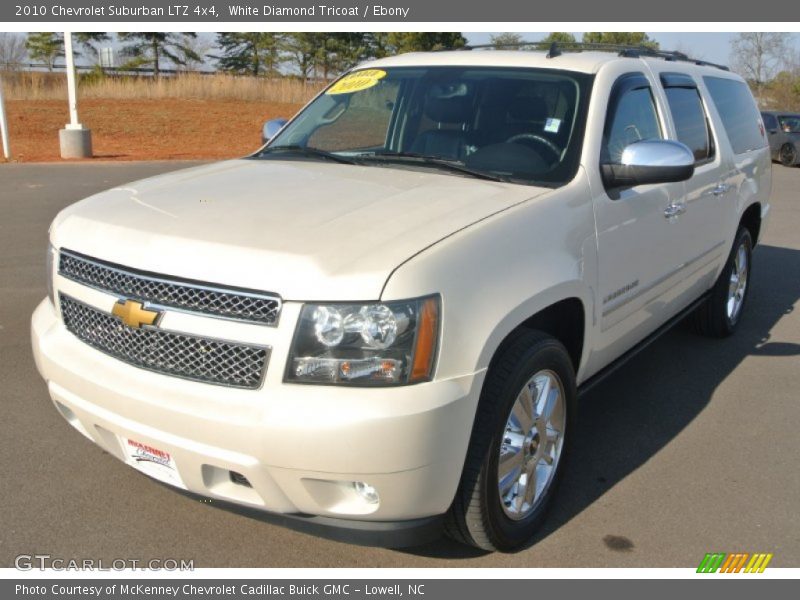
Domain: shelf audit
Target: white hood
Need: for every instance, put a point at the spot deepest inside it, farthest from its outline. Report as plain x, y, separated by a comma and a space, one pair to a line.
304, 230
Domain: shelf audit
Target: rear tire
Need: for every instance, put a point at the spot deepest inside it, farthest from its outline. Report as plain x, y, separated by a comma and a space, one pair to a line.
788, 155
722, 312
525, 416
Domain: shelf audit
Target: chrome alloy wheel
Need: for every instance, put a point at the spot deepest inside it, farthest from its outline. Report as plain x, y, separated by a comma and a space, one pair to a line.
531, 446
738, 283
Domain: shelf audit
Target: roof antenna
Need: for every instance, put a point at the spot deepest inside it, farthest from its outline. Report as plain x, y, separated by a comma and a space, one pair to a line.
554, 51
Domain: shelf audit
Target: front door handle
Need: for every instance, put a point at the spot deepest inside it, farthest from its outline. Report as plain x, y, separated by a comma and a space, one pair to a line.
721, 189
674, 209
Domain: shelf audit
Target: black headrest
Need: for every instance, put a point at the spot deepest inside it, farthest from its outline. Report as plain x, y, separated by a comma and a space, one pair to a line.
527, 108
448, 103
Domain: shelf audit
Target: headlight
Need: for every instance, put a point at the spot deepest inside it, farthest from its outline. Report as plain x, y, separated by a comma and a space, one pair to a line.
391, 343
51, 263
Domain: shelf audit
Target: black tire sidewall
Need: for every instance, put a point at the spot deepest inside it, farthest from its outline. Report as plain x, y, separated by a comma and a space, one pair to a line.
509, 534
791, 162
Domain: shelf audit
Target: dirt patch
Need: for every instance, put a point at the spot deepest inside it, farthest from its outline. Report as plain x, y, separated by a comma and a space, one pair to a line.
144, 129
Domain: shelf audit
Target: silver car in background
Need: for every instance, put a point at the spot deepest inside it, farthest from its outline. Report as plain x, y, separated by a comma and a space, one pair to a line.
783, 130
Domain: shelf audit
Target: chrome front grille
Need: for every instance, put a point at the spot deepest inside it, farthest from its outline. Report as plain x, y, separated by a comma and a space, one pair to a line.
208, 299
191, 357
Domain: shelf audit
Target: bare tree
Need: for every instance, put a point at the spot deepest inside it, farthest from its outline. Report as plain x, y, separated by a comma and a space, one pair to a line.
758, 56
12, 51
686, 49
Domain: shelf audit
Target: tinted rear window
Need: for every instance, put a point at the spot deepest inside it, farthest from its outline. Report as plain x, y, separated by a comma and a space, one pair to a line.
738, 112
690, 121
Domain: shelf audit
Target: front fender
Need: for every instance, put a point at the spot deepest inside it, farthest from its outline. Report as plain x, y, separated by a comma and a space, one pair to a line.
499, 272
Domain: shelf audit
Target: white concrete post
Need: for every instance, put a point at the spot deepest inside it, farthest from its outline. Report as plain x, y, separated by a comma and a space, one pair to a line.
76, 141
4, 124
72, 92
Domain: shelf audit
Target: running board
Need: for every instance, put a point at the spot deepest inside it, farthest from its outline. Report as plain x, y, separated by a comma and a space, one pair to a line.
605, 372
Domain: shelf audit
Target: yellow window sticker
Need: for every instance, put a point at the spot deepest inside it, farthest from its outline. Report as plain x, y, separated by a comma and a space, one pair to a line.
357, 81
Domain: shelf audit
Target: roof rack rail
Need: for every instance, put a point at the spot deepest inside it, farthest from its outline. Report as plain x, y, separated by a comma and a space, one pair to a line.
555, 49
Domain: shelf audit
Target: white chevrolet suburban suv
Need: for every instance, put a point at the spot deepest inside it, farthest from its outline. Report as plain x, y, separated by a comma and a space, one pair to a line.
379, 323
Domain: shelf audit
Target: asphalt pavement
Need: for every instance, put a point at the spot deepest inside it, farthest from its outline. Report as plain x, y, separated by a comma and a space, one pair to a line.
692, 447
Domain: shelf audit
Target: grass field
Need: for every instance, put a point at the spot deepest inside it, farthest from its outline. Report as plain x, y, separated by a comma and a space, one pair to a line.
185, 117
36, 85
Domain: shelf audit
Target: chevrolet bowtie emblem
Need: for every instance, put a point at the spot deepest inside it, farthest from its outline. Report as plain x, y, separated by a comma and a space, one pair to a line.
133, 313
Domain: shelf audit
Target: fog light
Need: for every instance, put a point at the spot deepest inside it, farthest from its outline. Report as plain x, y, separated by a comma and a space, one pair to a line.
367, 493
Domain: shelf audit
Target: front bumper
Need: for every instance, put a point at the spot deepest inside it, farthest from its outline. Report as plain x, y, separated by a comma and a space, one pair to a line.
299, 447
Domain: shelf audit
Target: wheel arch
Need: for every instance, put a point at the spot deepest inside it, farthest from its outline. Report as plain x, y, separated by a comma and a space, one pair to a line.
751, 219
564, 319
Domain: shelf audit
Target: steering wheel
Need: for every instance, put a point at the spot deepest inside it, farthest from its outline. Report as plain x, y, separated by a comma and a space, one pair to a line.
539, 140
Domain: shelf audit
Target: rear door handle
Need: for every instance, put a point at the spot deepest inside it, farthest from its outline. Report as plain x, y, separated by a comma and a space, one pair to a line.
673, 210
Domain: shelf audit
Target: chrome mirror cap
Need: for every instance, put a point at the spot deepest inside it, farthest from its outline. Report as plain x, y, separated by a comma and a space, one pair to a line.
271, 128
650, 162
657, 153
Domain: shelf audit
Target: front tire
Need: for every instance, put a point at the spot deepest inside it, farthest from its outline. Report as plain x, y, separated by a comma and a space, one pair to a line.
520, 442
721, 313
788, 155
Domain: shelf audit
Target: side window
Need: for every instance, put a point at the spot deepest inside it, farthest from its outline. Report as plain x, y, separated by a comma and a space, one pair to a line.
770, 121
738, 112
690, 121
632, 117
790, 124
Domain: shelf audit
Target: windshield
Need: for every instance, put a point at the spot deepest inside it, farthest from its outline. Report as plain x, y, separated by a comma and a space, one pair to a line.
790, 124
521, 125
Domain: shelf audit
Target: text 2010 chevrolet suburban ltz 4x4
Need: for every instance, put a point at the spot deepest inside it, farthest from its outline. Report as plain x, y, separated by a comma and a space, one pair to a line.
378, 324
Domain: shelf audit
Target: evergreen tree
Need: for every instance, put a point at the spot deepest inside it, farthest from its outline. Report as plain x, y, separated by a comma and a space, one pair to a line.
422, 41
45, 47
89, 41
302, 50
151, 48
377, 44
341, 51
559, 37
254, 53
327, 54
48, 46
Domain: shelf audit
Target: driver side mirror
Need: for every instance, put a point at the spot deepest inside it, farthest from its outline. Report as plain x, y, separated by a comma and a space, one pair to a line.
271, 128
648, 162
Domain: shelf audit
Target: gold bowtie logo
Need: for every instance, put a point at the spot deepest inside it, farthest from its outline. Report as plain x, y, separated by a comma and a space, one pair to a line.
133, 313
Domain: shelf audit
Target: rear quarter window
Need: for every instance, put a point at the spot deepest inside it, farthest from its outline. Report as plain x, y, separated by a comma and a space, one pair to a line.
737, 109
690, 121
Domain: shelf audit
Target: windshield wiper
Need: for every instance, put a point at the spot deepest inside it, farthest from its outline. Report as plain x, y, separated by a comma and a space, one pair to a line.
309, 152
415, 158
